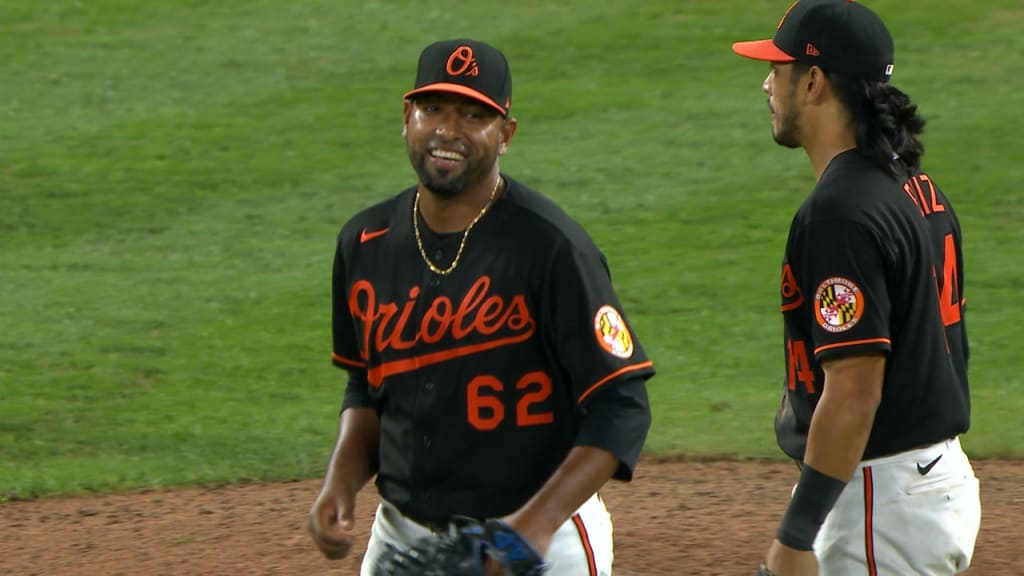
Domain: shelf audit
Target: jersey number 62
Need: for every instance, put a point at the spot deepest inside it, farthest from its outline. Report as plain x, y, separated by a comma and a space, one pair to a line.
485, 409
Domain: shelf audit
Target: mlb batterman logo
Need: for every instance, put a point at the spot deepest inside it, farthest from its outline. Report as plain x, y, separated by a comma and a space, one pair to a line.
612, 333
838, 304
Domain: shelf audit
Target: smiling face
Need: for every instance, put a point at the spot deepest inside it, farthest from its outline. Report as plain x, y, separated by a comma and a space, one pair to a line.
781, 88
454, 141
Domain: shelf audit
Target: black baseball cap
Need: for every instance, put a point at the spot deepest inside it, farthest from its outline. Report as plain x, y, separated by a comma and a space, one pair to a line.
841, 36
467, 67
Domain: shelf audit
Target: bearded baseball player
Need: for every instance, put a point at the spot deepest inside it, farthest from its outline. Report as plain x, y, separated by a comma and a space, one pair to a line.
494, 381
876, 392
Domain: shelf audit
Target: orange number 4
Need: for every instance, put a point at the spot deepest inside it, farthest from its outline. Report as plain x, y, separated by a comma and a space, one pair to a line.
799, 366
949, 294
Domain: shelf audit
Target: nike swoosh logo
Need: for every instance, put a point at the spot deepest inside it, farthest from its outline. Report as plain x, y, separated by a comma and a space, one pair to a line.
922, 470
367, 236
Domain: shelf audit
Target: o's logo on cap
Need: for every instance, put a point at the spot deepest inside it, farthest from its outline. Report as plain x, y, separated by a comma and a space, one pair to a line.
838, 304
462, 62
612, 333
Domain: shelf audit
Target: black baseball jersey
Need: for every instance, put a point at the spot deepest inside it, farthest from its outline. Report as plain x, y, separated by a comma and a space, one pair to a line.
483, 378
875, 264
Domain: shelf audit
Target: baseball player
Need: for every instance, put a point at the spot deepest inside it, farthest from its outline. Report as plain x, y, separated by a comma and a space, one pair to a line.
492, 372
876, 391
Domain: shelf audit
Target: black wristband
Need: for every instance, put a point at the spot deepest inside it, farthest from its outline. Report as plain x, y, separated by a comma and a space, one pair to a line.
815, 495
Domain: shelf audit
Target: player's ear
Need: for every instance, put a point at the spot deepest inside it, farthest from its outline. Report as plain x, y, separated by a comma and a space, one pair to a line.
816, 85
508, 129
405, 117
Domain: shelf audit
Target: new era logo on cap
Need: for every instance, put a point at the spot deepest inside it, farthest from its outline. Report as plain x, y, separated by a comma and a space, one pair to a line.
841, 36
467, 67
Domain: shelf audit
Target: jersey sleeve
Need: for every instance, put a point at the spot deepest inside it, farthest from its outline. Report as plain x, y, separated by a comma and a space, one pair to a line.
617, 419
599, 353
592, 339
844, 265
345, 353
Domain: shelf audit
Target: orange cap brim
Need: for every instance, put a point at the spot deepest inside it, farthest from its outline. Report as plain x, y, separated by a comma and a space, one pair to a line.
459, 89
762, 50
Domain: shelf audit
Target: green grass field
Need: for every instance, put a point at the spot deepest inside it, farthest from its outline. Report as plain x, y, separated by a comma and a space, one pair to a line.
173, 174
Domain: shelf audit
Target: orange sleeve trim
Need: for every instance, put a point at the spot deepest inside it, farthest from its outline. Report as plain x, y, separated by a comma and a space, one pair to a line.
620, 371
588, 548
821, 349
342, 360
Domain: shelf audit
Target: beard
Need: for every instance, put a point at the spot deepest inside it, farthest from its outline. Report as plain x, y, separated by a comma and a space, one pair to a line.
445, 183
789, 130
442, 184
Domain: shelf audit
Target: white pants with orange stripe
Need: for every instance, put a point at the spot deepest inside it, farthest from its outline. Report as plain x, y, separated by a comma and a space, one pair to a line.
913, 513
582, 546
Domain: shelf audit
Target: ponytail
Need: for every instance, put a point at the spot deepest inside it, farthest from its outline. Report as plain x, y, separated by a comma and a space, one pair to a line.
887, 123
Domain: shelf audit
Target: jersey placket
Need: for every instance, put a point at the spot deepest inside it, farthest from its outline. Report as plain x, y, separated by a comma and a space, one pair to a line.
434, 394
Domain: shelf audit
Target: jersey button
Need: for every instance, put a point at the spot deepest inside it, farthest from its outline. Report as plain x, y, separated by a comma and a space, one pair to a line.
438, 255
429, 385
426, 441
435, 281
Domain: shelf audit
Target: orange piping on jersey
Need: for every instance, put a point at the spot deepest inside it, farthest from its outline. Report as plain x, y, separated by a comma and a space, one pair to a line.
821, 349
587, 547
631, 368
869, 519
342, 360
377, 374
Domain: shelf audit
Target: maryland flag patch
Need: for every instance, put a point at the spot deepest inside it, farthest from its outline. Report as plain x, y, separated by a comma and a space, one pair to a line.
612, 333
838, 304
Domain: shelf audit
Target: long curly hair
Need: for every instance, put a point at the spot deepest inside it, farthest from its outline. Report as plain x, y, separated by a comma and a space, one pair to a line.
886, 122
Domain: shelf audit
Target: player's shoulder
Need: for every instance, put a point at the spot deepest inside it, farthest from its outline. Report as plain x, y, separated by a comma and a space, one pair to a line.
855, 188
547, 221
852, 175
375, 219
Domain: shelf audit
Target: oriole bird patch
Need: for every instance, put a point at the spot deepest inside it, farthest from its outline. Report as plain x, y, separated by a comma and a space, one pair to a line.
612, 333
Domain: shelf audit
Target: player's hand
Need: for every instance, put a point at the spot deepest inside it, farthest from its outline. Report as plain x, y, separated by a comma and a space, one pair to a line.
331, 520
785, 561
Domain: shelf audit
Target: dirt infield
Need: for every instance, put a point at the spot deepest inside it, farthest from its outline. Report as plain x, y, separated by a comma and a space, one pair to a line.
677, 517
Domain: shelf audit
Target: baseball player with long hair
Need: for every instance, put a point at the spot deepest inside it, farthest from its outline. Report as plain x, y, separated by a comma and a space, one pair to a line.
876, 391
492, 373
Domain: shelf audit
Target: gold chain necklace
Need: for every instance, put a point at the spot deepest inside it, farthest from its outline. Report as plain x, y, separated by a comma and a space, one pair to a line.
465, 234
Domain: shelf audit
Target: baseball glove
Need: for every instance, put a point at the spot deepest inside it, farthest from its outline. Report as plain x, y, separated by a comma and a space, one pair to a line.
470, 548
